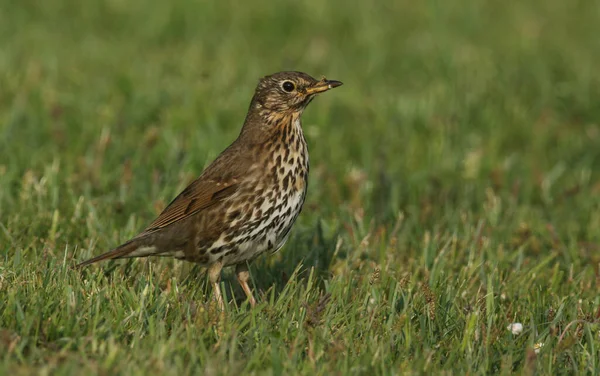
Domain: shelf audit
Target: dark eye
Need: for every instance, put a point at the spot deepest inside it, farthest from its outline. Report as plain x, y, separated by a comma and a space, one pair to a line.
288, 86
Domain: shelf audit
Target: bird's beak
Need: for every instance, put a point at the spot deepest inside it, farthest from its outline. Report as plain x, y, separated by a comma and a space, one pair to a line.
322, 86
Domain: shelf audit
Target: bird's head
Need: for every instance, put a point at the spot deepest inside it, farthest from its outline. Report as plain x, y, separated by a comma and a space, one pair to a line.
289, 91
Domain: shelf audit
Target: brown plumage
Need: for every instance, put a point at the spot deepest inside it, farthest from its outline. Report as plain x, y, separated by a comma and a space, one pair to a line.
246, 201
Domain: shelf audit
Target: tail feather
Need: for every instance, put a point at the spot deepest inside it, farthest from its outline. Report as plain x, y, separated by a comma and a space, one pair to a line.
132, 248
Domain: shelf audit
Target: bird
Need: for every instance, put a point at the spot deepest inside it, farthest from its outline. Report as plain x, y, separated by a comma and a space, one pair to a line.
246, 201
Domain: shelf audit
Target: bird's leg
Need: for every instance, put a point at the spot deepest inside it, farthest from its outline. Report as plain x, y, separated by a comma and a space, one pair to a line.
214, 274
243, 276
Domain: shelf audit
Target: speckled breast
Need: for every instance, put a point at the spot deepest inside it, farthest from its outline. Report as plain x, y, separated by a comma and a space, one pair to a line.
273, 203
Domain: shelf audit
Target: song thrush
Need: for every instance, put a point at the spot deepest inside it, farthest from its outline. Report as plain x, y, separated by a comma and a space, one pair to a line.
246, 201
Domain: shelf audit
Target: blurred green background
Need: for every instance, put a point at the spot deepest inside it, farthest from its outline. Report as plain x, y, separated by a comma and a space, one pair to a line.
457, 172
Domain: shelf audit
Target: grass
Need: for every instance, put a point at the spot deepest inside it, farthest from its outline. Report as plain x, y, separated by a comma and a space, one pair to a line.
455, 186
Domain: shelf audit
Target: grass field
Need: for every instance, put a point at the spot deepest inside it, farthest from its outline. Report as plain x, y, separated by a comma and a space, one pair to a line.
455, 186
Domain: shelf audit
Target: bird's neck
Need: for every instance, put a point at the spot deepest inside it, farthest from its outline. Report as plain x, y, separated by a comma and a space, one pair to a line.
288, 130
277, 137
267, 126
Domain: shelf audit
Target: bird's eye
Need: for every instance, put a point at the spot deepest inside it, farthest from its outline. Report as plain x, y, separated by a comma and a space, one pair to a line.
288, 86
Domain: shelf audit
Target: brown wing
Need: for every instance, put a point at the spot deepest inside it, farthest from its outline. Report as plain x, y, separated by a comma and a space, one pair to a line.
219, 181
199, 195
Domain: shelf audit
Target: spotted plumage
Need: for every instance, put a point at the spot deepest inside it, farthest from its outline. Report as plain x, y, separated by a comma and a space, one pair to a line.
246, 202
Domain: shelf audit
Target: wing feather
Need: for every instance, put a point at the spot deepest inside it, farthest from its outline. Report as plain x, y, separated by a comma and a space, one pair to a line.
198, 196
218, 182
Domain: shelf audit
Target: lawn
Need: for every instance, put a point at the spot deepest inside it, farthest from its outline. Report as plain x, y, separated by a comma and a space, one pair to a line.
454, 187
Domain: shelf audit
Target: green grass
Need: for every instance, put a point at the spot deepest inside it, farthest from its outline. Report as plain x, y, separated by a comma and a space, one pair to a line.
455, 186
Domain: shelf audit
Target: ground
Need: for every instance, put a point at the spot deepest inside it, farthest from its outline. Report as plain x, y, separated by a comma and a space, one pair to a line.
454, 187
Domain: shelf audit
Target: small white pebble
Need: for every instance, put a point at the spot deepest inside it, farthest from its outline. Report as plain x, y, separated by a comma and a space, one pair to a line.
537, 347
516, 328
